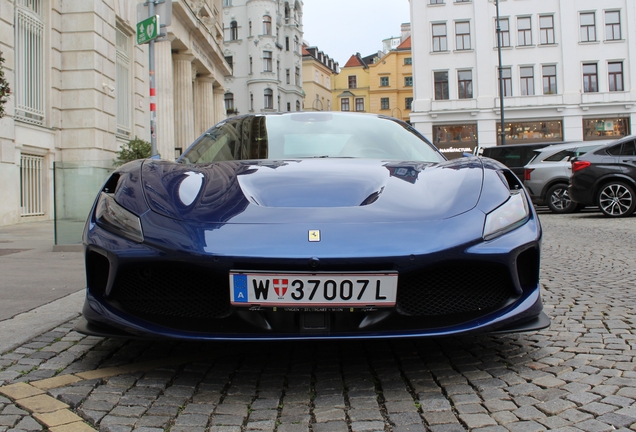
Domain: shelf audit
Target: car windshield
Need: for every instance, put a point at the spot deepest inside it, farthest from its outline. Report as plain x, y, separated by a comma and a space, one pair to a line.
310, 135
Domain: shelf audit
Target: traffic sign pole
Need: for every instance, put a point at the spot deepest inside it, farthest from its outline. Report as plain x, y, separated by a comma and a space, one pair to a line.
153, 101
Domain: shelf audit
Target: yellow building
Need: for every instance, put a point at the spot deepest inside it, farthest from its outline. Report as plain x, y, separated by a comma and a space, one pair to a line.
319, 71
350, 87
391, 83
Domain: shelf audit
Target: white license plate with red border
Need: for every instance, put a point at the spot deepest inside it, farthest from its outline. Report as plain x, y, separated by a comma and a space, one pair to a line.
313, 289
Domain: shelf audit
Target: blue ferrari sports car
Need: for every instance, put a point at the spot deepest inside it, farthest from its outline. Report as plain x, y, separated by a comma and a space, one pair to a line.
309, 226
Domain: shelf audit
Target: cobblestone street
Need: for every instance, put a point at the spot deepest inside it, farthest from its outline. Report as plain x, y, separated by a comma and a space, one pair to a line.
577, 375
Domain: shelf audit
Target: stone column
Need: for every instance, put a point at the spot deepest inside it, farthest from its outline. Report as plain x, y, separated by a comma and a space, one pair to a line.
183, 101
164, 85
219, 104
204, 104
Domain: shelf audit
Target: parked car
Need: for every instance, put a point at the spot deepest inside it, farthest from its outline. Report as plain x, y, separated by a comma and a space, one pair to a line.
514, 156
312, 225
607, 177
547, 175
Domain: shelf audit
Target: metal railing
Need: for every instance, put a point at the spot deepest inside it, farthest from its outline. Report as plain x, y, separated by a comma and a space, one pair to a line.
31, 185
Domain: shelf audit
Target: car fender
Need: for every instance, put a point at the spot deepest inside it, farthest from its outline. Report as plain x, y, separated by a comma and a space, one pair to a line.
601, 181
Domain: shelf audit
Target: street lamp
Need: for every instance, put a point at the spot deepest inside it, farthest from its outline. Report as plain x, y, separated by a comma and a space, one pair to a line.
501, 83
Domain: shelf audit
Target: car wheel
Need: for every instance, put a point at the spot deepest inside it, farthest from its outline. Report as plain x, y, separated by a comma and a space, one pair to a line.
616, 200
559, 201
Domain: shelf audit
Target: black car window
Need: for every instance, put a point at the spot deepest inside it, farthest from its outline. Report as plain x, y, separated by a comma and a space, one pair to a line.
614, 150
560, 156
629, 149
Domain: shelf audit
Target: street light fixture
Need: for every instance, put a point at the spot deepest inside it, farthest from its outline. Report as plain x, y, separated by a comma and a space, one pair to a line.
501, 83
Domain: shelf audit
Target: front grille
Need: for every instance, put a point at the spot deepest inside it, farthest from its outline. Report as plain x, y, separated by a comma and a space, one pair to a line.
459, 288
172, 290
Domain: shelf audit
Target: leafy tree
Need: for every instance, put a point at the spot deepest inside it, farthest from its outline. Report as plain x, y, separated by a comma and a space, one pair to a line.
132, 150
5, 90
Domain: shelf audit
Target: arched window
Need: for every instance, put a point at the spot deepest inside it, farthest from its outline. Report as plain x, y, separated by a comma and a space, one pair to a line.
233, 30
269, 99
267, 24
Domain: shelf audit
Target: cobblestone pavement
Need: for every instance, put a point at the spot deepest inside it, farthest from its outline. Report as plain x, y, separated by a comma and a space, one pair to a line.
579, 374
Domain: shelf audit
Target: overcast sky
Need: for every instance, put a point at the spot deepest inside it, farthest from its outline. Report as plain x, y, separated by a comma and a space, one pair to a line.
341, 28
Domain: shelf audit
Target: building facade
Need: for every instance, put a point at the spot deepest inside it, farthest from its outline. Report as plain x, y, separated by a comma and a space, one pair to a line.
80, 89
350, 87
263, 45
391, 83
565, 66
318, 72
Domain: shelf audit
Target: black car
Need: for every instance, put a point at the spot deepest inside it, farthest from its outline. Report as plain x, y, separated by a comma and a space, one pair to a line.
607, 177
514, 156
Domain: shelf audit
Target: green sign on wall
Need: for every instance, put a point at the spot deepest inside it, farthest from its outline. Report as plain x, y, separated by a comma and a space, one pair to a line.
147, 29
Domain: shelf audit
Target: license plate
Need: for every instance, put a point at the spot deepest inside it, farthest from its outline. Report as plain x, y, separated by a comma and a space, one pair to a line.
313, 289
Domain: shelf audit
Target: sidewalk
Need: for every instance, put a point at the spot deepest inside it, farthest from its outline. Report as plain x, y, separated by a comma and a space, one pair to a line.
39, 288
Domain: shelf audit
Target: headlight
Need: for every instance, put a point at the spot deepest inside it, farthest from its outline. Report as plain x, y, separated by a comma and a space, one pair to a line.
117, 219
507, 216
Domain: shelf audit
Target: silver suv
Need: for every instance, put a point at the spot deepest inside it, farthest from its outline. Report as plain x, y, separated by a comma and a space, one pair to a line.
547, 175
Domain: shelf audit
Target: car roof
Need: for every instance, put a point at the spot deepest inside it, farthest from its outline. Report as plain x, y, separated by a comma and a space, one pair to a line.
573, 144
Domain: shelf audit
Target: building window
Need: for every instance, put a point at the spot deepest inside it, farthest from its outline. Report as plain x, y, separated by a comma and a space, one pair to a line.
532, 131
249, 28
227, 2
32, 172
524, 31
286, 43
546, 27
615, 72
605, 128
287, 76
384, 103
384, 81
297, 76
288, 106
250, 65
267, 25
230, 61
436, 2
229, 102
408, 60
344, 104
504, 31
588, 27
251, 102
549, 79
297, 105
506, 76
359, 104
233, 31
408, 103
267, 61
123, 89
269, 98
465, 84
296, 45
612, 25
441, 85
462, 36
526, 78
439, 38
454, 139
29, 62
590, 78
353, 81
408, 81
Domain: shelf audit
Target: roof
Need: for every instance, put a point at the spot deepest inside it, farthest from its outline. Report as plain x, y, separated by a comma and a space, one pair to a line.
406, 45
354, 61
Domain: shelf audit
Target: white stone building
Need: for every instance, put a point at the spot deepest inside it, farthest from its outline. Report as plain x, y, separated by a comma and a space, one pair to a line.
566, 70
80, 90
263, 44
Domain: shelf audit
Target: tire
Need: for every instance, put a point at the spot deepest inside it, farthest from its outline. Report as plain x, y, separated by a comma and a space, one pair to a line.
616, 199
558, 199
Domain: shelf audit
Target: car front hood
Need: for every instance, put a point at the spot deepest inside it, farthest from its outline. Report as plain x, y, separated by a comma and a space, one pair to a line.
289, 191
